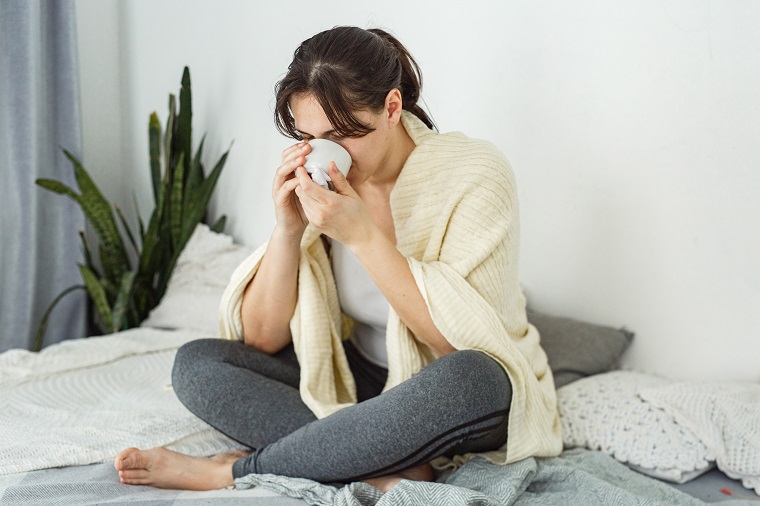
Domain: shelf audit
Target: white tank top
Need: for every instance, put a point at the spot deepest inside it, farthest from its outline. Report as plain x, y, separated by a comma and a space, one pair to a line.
362, 300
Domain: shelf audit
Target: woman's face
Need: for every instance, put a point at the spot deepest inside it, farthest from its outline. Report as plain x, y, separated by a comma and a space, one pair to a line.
368, 153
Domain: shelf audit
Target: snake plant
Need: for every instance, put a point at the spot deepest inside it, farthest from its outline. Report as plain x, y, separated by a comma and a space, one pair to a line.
123, 288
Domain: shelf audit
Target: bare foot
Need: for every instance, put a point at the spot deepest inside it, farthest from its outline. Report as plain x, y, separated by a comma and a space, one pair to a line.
418, 473
164, 468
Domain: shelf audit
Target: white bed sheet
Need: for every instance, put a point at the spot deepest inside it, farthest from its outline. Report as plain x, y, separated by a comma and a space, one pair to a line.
84, 400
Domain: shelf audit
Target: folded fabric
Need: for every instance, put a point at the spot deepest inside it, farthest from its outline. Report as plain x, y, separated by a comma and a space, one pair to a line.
724, 416
575, 477
604, 412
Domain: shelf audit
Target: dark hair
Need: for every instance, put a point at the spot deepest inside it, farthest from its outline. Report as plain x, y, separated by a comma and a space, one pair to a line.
349, 69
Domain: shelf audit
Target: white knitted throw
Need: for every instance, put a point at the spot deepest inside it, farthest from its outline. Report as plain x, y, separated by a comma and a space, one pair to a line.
725, 416
603, 412
84, 400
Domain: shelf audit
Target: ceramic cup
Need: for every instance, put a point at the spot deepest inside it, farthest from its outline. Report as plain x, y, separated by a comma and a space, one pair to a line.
318, 160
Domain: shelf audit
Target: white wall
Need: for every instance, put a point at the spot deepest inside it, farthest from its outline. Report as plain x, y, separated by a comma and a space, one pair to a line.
633, 129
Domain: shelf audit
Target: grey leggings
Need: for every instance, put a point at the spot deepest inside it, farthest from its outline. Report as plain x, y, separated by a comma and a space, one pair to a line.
458, 404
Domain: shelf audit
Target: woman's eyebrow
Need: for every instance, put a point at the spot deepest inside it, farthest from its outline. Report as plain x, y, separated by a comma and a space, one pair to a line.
324, 134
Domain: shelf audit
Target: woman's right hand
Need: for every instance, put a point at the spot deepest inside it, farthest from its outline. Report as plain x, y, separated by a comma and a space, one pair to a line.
270, 298
289, 214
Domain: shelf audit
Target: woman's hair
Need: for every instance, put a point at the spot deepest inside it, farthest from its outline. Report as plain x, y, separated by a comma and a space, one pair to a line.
349, 69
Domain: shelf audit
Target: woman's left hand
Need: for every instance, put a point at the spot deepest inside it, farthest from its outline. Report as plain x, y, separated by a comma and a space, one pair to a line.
345, 217
341, 215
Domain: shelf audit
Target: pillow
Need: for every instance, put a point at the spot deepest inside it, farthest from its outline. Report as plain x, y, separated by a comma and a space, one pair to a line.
604, 412
725, 417
577, 349
196, 285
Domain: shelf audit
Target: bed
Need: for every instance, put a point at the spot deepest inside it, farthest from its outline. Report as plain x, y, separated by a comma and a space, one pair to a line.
630, 437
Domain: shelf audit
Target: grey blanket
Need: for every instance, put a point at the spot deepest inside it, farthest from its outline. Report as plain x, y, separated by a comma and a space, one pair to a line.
577, 477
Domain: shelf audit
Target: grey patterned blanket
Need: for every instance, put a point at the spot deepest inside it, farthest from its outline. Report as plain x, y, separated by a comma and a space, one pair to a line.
577, 477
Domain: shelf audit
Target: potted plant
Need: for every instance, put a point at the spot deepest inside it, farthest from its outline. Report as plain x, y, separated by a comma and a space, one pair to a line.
122, 290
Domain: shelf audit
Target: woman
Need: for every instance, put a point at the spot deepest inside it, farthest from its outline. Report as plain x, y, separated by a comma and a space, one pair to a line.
383, 327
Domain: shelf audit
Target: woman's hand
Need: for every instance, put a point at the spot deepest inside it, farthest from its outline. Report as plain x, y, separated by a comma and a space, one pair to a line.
341, 215
289, 213
345, 217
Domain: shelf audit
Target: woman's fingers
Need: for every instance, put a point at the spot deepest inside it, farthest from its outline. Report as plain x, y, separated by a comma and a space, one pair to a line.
290, 151
295, 158
283, 193
339, 181
311, 190
289, 211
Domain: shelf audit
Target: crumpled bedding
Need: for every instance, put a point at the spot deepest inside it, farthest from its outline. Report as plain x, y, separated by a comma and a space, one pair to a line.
82, 401
579, 476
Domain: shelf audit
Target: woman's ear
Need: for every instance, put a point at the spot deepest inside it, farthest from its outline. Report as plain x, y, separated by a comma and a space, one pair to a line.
394, 104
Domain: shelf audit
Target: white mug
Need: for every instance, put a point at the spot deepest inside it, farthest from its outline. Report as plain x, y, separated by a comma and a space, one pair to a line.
318, 161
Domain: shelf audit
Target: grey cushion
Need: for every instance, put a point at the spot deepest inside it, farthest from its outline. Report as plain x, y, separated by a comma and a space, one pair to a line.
577, 349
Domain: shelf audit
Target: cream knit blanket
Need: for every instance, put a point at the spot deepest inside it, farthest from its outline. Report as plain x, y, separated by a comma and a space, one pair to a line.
84, 400
724, 416
456, 219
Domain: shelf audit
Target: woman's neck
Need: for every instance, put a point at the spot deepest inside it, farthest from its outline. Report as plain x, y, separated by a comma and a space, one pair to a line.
401, 146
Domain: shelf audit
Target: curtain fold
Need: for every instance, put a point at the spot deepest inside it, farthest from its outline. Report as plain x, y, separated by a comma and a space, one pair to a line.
39, 115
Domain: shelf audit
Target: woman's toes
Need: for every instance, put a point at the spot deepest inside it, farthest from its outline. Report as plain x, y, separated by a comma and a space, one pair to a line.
134, 476
125, 459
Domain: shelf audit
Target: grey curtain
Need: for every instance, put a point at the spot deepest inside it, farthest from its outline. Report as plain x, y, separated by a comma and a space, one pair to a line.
39, 114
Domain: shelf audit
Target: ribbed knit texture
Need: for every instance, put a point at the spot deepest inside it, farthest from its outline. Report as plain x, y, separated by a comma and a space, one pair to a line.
456, 220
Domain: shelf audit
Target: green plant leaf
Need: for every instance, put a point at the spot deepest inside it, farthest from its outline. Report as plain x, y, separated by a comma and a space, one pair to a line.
175, 209
87, 254
196, 176
44, 321
121, 305
154, 143
169, 138
98, 212
184, 139
139, 218
198, 203
58, 187
126, 228
218, 227
151, 239
165, 275
111, 286
156, 236
98, 296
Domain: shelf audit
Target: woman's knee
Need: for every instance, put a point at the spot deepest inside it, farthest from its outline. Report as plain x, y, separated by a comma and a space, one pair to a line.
191, 362
475, 364
474, 373
195, 351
